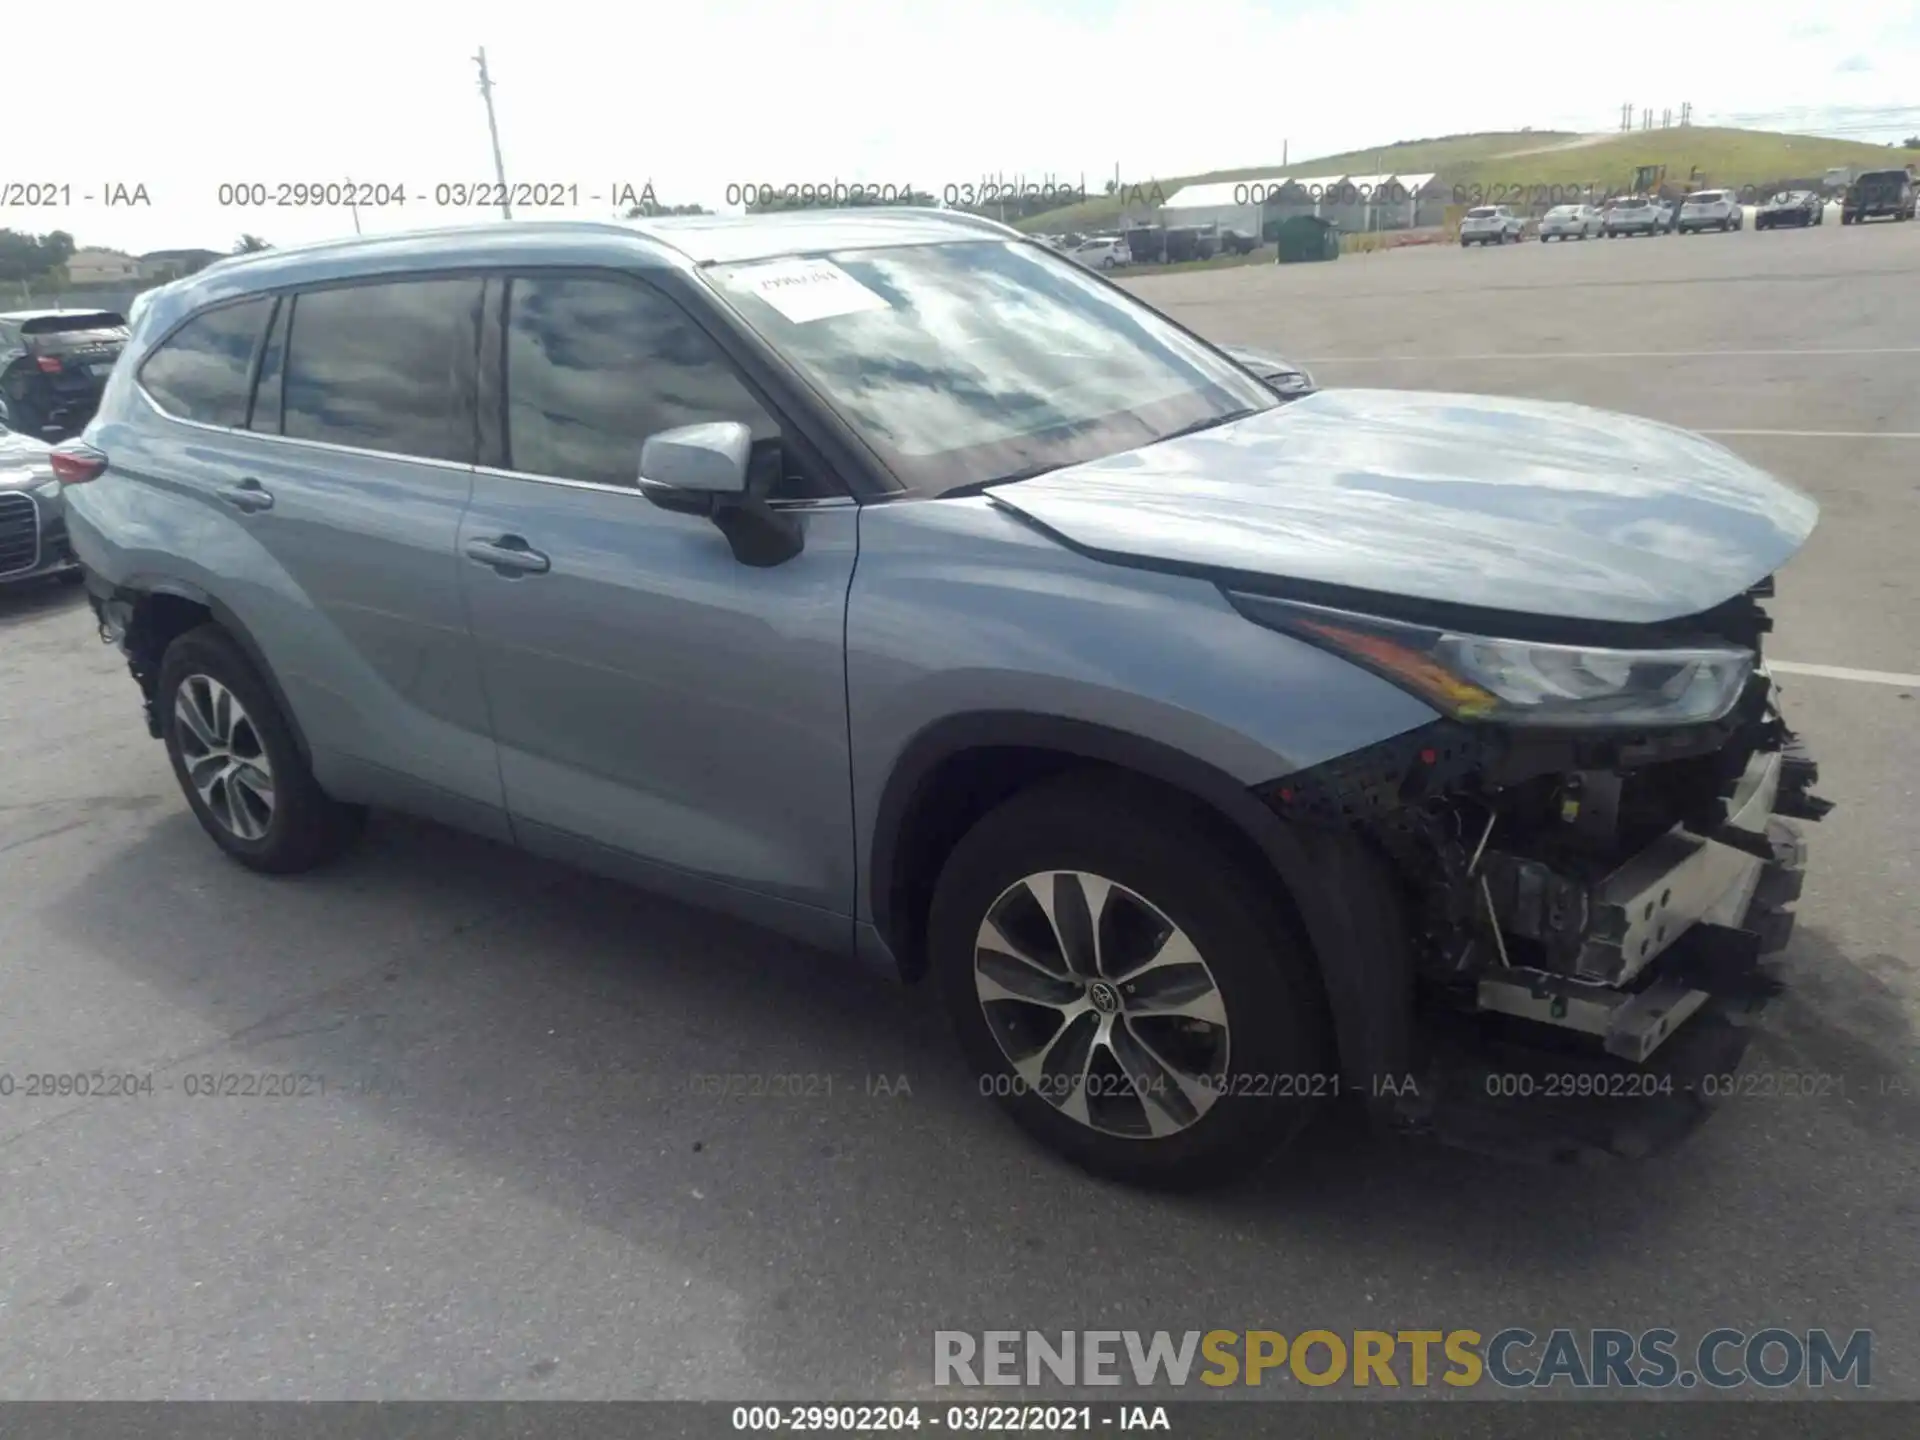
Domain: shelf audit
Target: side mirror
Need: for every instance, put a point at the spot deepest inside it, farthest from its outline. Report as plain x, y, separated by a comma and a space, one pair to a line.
704, 470
688, 468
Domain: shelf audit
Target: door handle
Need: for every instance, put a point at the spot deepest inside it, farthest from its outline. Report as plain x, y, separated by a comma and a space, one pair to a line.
509, 555
249, 495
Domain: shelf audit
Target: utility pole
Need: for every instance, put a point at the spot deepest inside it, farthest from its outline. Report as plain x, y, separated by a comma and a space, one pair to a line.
493, 129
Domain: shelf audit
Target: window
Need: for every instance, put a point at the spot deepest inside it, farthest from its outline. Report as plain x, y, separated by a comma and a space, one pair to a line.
201, 372
383, 367
593, 367
265, 415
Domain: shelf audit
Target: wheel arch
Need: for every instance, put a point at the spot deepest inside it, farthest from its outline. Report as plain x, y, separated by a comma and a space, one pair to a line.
164, 610
1339, 890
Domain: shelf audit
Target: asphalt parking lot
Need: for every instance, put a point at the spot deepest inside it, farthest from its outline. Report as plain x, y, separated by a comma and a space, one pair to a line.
511, 1187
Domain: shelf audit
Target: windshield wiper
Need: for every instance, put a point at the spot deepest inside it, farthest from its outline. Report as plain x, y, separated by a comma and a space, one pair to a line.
1208, 423
975, 487
1014, 477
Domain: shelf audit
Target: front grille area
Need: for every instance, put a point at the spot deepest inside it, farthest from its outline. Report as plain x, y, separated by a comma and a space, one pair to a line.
19, 534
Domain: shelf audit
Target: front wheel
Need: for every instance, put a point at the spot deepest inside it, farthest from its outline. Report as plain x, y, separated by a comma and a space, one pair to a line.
237, 762
1127, 987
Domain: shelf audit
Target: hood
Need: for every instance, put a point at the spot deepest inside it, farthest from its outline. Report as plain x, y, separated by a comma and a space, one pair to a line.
1528, 506
23, 461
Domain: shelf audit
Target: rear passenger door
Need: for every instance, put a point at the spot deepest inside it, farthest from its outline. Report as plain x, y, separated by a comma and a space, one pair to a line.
338, 483
662, 710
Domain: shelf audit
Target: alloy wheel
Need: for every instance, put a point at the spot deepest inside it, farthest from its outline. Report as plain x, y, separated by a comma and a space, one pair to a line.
223, 755
1101, 1004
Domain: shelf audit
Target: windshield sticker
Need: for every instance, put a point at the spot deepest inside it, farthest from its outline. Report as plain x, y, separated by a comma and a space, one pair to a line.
807, 290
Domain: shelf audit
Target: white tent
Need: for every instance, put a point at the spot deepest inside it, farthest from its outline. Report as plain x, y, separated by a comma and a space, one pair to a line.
1232, 203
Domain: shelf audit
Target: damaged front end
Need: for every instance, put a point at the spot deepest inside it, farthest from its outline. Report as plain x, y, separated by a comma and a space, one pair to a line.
1593, 886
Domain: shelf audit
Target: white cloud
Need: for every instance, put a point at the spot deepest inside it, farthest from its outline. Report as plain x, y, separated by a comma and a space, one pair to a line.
698, 95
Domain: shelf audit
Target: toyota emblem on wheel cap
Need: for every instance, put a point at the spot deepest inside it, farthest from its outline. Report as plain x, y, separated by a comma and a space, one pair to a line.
1105, 998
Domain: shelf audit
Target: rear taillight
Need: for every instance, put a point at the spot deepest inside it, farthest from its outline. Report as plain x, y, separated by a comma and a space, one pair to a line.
75, 464
49, 363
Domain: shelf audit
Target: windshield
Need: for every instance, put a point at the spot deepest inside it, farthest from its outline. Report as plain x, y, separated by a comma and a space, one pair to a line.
1706, 197
963, 362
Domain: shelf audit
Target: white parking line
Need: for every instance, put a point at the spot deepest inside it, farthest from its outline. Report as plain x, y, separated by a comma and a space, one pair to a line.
1822, 434
1842, 672
1598, 355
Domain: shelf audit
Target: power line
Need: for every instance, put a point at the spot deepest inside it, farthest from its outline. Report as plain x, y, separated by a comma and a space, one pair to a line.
493, 130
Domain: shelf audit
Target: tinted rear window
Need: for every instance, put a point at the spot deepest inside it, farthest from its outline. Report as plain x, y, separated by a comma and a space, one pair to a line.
1485, 212
78, 320
201, 372
382, 367
1706, 197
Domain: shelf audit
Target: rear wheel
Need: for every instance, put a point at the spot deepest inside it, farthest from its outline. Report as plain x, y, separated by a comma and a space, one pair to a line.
1126, 986
237, 763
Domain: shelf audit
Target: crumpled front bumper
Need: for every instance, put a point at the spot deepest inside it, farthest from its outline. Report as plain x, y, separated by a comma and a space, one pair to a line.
1643, 949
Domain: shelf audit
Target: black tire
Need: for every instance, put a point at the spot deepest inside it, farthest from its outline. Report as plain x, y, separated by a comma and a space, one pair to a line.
306, 827
1170, 854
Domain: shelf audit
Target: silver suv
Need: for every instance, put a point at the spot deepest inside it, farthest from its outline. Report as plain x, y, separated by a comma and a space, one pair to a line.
895, 582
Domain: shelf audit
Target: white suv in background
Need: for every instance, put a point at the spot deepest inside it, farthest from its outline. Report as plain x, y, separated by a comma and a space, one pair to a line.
1570, 222
1712, 210
1102, 252
1490, 225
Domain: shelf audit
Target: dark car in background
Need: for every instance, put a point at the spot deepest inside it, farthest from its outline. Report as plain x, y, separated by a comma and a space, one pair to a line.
1791, 207
53, 367
1878, 193
1236, 242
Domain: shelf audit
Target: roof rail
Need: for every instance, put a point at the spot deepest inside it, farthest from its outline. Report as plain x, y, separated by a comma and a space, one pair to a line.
982, 222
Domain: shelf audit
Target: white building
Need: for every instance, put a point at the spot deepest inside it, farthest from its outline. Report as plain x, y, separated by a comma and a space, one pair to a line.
1233, 204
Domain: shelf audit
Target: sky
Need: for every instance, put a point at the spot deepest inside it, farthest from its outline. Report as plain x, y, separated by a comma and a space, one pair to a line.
695, 98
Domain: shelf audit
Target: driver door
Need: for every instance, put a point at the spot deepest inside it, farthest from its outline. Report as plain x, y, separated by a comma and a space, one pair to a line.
662, 710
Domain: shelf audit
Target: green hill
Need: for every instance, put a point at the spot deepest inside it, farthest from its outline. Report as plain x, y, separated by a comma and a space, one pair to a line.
1723, 156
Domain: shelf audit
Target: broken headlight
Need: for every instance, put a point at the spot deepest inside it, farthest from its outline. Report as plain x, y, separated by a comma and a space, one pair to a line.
1523, 682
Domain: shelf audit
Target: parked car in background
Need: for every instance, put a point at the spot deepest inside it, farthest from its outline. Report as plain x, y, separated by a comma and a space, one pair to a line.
1102, 252
1791, 207
53, 367
1491, 225
1212, 756
1571, 222
1283, 377
33, 532
1236, 242
1634, 215
1712, 210
1878, 194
